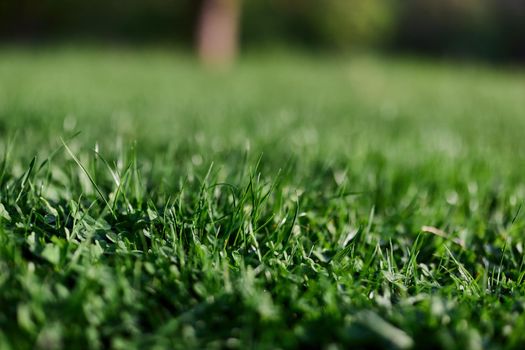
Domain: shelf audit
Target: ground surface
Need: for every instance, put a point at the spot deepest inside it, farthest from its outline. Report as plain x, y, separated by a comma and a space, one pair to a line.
292, 202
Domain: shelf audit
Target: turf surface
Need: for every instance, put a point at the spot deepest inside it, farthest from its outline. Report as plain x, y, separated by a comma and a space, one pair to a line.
294, 202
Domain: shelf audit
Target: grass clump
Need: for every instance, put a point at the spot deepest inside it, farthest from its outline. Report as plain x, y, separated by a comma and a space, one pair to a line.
292, 203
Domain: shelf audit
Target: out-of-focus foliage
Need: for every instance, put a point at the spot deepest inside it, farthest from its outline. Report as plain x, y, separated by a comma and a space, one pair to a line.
341, 24
489, 28
133, 20
486, 28
345, 23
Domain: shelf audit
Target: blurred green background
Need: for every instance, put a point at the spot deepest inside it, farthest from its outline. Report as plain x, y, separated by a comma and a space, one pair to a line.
487, 29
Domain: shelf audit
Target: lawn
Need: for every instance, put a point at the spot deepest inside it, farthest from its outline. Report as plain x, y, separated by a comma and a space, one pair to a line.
293, 202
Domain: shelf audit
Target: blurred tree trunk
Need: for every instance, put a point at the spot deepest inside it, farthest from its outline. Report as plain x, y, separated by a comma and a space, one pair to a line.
217, 33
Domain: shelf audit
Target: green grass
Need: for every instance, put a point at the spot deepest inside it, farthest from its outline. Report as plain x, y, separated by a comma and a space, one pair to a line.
294, 202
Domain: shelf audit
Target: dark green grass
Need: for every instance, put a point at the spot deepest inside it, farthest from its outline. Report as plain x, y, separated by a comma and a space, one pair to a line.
294, 202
